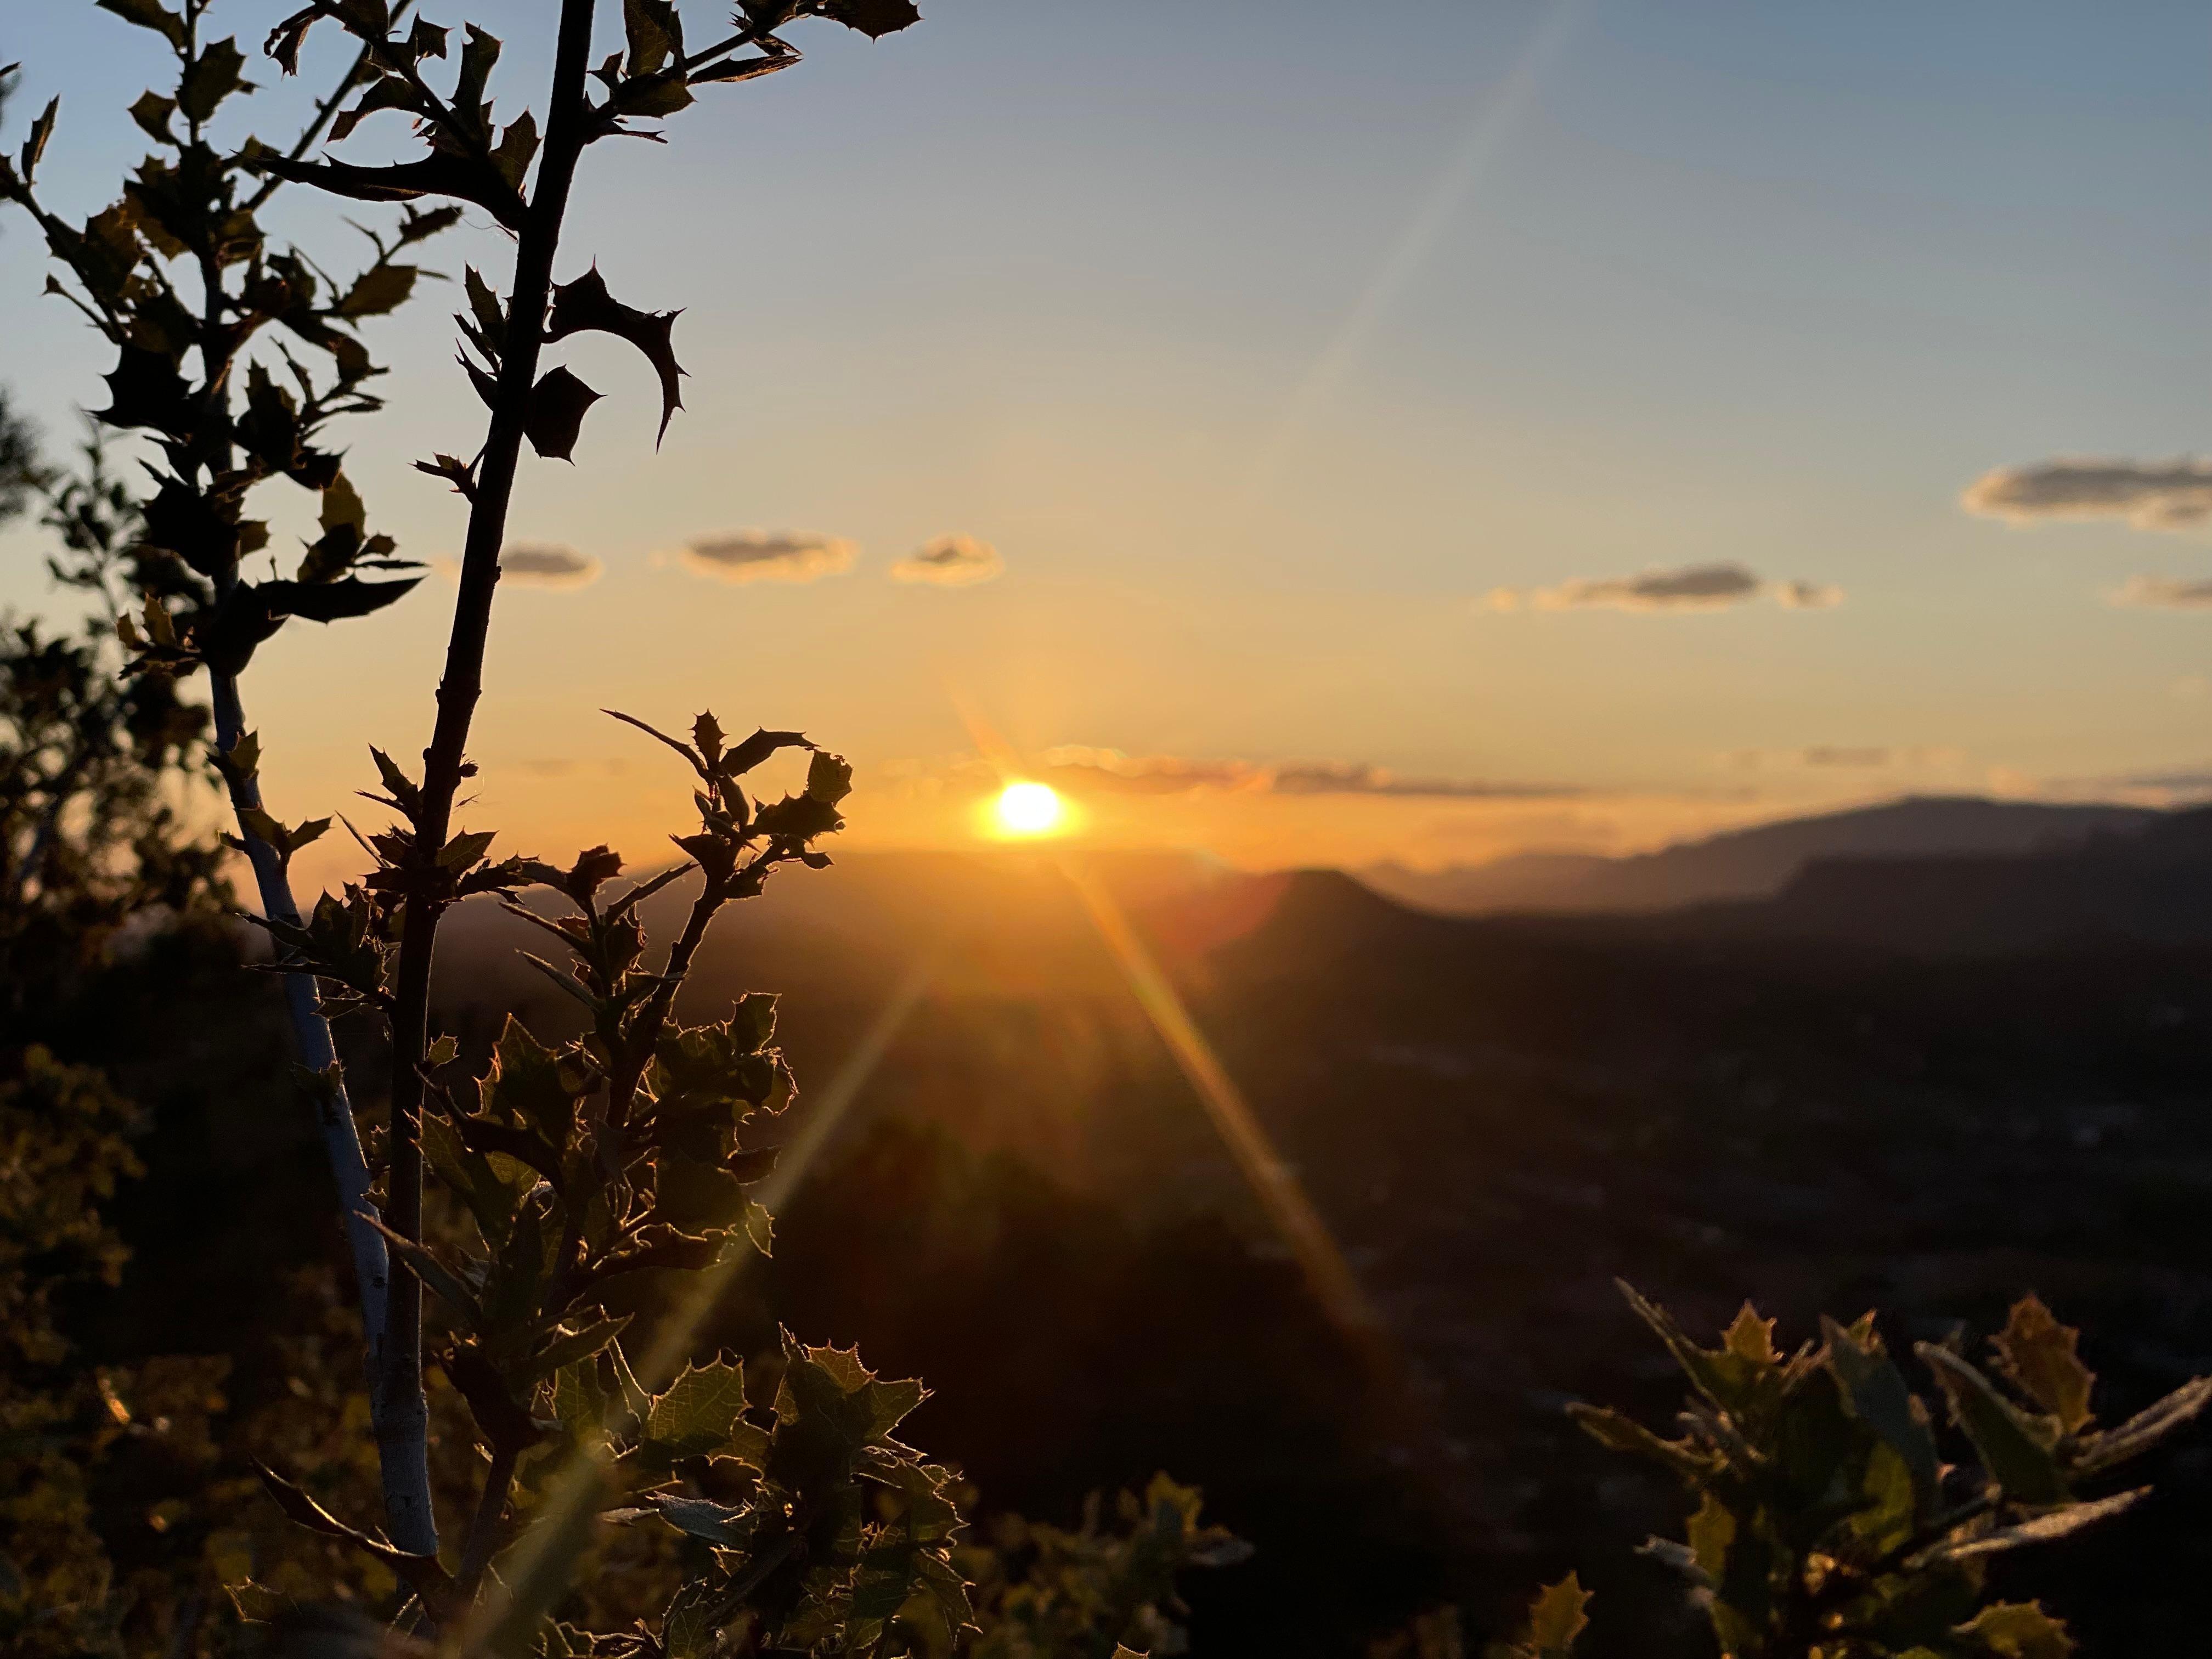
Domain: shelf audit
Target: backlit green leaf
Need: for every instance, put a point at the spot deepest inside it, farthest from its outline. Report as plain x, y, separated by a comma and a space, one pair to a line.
2018, 1630
2012, 1453
2036, 1354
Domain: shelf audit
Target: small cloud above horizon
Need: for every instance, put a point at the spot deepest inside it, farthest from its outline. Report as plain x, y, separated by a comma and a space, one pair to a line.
758, 556
951, 562
2170, 496
543, 565
537, 565
2164, 593
1689, 587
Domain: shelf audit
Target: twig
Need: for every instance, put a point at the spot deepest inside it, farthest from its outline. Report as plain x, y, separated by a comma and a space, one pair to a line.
462, 683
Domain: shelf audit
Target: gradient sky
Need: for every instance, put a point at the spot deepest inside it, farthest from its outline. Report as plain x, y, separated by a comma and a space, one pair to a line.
1320, 383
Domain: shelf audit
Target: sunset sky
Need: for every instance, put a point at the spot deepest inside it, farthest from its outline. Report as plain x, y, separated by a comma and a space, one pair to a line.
1417, 430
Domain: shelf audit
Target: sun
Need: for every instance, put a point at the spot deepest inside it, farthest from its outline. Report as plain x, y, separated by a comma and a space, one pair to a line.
1029, 809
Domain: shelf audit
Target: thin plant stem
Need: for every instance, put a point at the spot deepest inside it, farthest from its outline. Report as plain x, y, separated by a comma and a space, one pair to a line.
462, 682
402, 1454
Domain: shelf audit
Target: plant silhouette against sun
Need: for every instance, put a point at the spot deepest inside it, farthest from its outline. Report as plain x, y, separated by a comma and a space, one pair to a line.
236, 354
632, 1148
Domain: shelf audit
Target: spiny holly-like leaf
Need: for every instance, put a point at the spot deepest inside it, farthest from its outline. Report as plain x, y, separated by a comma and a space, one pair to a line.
148, 15
327, 602
515, 148
479, 53
829, 778
216, 73
555, 415
464, 851
418, 1569
526, 1080
680, 747
397, 784
1751, 1338
654, 96
489, 332
2047, 1528
1875, 1391
2037, 1354
437, 1277
341, 506
436, 174
393, 92
741, 69
726, 1525
699, 1410
2147, 1427
2019, 1630
873, 18
284, 41
380, 289
586, 304
152, 112
242, 760
830, 1388
1621, 1433
34, 142
2015, 1457
145, 390
687, 1630
655, 33
1716, 1376
758, 747
1555, 1618
573, 1348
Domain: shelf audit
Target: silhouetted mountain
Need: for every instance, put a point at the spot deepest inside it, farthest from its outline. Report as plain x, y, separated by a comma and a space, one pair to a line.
2153, 885
1748, 864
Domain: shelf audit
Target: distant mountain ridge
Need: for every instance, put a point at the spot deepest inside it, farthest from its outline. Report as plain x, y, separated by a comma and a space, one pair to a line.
2152, 886
1758, 863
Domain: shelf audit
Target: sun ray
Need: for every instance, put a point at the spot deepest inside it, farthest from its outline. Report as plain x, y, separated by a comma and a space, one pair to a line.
1405, 257
1272, 1181
561, 1523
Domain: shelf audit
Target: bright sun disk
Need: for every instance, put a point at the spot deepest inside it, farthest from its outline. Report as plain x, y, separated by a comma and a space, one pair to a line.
1029, 809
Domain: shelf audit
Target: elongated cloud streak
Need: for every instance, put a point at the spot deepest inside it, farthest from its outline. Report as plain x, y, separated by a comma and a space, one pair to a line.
760, 556
1081, 768
2173, 494
1691, 587
951, 562
2164, 593
549, 567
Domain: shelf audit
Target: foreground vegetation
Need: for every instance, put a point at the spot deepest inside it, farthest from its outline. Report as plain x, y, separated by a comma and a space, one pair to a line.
579, 1207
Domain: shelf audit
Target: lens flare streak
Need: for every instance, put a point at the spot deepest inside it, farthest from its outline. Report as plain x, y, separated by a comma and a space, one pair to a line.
536, 1572
1272, 1181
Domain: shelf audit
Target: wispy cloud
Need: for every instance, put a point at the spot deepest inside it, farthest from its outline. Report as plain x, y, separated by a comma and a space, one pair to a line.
761, 556
1110, 769
545, 566
951, 562
1844, 756
2165, 593
1807, 596
2174, 495
1690, 587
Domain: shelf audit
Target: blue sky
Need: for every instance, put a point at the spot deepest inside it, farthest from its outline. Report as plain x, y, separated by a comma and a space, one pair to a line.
1264, 344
